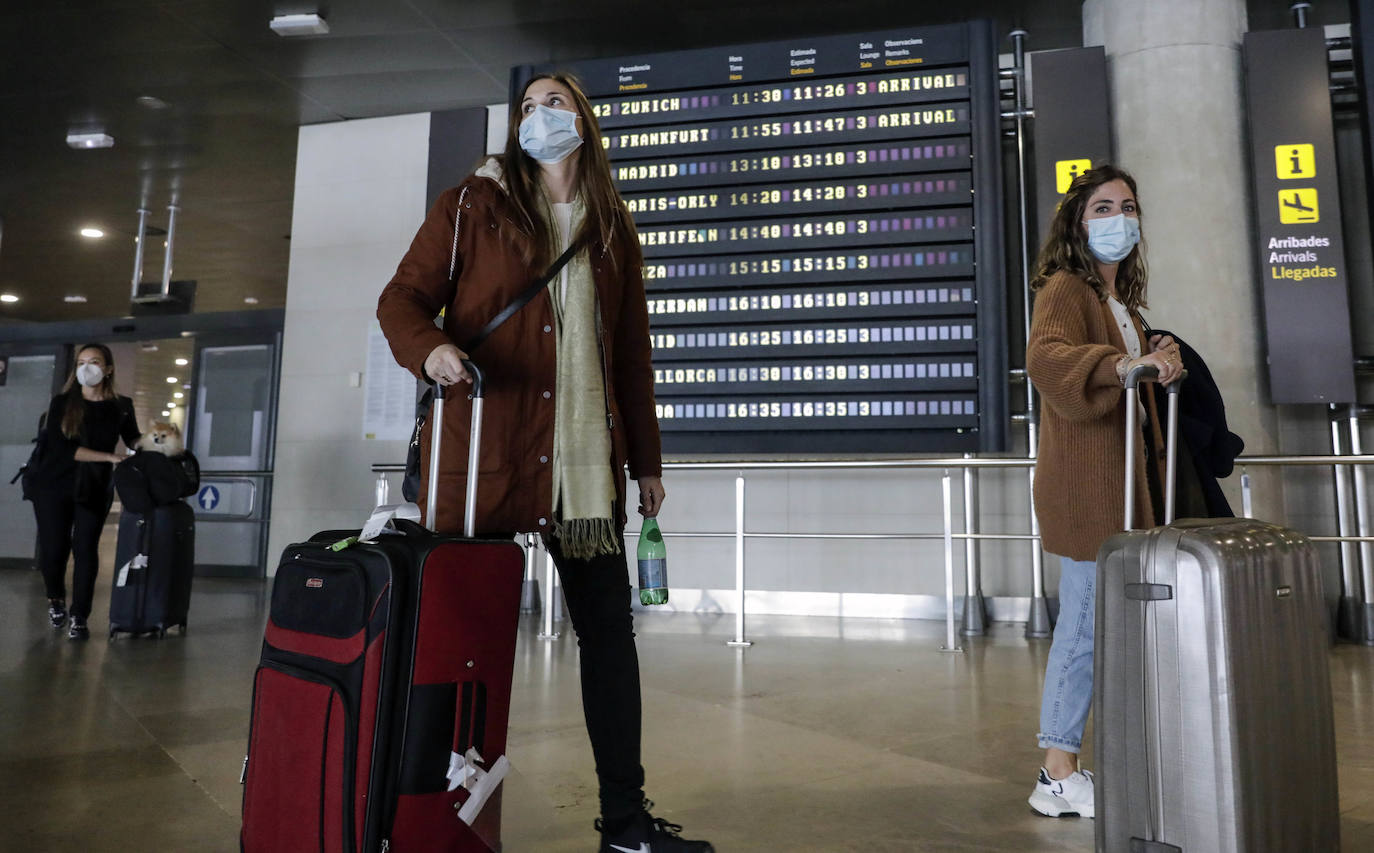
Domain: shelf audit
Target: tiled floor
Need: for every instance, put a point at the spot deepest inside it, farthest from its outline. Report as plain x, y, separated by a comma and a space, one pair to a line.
826, 735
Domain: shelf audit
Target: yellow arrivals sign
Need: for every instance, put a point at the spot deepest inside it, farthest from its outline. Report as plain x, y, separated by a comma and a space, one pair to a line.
1298, 206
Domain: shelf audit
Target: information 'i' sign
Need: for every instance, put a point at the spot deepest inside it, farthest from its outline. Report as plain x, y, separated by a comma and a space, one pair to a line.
821, 221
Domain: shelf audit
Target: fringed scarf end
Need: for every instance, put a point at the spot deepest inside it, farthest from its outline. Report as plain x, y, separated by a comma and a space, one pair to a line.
584, 538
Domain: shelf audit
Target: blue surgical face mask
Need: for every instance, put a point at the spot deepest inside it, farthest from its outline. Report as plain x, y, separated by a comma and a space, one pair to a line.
1112, 238
549, 135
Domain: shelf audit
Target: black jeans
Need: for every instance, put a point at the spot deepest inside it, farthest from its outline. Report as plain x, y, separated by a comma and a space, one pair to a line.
597, 592
68, 529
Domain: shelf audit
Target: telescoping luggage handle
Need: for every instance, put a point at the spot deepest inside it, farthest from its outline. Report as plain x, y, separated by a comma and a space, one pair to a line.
474, 451
1133, 379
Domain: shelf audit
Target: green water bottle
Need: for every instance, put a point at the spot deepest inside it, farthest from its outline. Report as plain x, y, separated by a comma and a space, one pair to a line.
653, 565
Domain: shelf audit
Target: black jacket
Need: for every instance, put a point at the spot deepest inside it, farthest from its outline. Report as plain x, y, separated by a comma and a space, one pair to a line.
1202, 431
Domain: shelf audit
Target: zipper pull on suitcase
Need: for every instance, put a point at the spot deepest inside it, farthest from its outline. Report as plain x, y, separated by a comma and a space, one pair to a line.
474, 451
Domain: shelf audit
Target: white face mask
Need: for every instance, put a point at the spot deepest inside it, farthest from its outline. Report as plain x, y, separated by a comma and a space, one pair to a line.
1112, 238
549, 135
89, 375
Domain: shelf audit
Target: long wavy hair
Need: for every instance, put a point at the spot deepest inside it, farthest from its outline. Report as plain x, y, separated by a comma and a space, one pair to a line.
74, 414
606, 218
1066, 247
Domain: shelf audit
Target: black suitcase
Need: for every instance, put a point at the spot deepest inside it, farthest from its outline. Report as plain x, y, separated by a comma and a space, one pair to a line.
154, 561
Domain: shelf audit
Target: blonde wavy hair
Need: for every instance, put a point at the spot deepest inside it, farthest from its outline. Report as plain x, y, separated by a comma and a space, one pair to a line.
1066, 247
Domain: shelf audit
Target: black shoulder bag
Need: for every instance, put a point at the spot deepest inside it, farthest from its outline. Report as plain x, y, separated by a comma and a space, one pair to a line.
410, 483
30, 472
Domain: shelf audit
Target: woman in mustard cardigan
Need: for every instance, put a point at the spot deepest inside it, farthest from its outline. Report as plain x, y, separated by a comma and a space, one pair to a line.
1085, 335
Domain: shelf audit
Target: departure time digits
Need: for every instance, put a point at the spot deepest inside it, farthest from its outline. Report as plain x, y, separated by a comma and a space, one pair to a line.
783, 95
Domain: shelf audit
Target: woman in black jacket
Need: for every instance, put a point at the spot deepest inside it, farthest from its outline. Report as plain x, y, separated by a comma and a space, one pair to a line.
72, 494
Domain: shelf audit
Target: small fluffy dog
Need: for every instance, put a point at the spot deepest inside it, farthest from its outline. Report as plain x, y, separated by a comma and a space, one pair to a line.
162, 438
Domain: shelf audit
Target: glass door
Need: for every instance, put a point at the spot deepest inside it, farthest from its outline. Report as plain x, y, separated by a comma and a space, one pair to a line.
28, 387
232, 435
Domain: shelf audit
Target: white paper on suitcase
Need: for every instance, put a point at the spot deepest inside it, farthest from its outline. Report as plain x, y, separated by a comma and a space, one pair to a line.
140, 561
380, 521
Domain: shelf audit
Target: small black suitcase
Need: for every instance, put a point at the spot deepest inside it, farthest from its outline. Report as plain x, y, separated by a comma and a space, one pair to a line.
154, 561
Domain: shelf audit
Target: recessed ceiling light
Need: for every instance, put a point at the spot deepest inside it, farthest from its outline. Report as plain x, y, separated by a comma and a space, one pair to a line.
178, 395
8, 297
171, 379
166, 414
250, 300
171, 405
299, 25
150, 102
181, 362
93, 233
90, 140
74, 297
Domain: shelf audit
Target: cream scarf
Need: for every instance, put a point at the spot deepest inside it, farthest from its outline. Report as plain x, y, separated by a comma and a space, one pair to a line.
583, 490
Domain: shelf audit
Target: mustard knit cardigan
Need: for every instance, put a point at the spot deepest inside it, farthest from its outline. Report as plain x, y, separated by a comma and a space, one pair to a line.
1080, 473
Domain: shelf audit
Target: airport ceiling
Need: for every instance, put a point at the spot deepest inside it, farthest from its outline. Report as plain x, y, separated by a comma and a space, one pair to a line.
204, 101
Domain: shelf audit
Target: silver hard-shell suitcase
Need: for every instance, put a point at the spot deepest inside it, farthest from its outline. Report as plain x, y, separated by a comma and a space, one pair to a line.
1212, 698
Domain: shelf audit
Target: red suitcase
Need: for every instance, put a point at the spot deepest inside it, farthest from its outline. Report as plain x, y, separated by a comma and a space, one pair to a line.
381, 701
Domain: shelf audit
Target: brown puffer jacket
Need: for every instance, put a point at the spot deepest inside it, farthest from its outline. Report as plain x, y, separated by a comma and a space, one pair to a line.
515, 484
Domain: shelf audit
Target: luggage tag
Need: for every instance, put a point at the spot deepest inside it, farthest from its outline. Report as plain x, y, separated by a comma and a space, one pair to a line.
139, 561
380, 522
480, 784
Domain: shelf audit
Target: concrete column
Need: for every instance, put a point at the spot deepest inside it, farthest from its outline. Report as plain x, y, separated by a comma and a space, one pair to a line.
1175, 78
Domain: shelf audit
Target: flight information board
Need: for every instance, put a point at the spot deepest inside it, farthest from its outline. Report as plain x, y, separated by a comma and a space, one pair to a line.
821, 222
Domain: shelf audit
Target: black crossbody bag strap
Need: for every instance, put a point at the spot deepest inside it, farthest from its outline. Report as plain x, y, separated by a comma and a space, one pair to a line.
522, 300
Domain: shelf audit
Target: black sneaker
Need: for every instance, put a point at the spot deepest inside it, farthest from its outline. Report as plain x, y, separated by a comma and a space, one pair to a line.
57, 612
648, 834
78, 631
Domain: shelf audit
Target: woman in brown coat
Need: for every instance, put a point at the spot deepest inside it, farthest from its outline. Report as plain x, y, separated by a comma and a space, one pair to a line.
1086, 334
569, 400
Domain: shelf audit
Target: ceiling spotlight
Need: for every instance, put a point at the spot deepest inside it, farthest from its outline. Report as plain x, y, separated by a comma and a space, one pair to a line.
8, 297
166, 414
90, 140
93, 233
151, 102
178, 395
250, 300
171, 380
171, 405
299, 25
181, 362
75, 297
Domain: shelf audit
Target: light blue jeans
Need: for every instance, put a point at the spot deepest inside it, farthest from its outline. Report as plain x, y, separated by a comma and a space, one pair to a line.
1068, 694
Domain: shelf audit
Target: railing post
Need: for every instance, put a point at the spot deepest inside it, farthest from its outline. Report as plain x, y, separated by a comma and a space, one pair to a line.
1038, 622
553, 602
529, 588
975, 608
739, 641
1362, 527
1348, 617
950, 644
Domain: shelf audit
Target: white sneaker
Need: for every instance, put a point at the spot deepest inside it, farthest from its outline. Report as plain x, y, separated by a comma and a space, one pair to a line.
1072, 795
